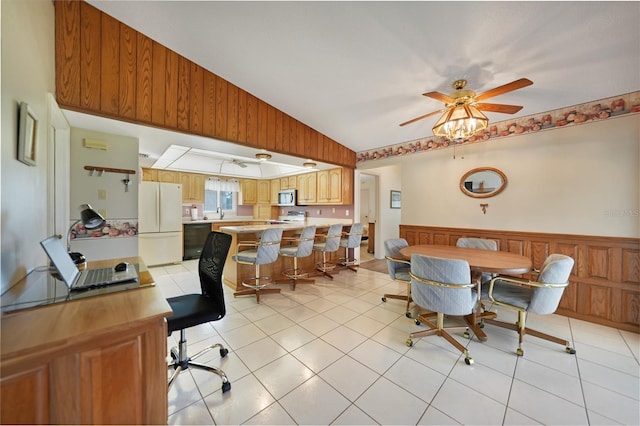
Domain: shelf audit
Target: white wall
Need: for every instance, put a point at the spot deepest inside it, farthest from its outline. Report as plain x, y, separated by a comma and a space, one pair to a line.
28, 73
575, 180
121, 153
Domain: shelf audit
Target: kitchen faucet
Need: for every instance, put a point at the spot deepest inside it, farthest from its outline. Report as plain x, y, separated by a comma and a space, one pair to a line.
219, 210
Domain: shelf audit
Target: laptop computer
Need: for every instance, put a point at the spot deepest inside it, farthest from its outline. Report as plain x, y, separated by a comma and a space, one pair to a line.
87, 279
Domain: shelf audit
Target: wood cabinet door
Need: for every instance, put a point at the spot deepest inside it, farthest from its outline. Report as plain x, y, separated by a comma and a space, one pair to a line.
275, 188
335, 186
168, 176
25, 397
249, 191
150, 175
307, 188
264, 192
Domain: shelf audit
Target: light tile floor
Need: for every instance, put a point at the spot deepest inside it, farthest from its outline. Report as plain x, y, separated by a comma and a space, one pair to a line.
333, 353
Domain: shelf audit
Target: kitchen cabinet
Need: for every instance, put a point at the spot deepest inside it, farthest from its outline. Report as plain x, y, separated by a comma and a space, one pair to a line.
330, 186
249, 188
168, 176
275, 188
307, 188
264, 192
192, 187
150, 175
289, 182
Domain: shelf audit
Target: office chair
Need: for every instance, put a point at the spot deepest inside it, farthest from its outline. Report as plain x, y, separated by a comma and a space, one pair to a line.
302, 247
541, 296
192, 309
330, 244
443, 286
479, 243
398, 268
352, 240
263, 251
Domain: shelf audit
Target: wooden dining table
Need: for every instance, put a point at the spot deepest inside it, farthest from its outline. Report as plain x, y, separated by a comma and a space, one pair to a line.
488, 261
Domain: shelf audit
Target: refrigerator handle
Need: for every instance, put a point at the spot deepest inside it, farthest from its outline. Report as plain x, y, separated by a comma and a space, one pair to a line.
158, 193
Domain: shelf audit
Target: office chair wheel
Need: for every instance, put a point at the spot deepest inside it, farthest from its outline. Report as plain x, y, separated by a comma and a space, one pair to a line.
417, 321
408, 314
223, 352
384, 299
570, 350
519, 352
226, 386
409, 342
468, 360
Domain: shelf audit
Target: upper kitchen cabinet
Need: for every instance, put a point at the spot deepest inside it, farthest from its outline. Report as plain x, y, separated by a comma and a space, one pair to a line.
149, 175
249, 189
330, 186
289, 182
106, 68
275, 188
192, 187
264, 192
155, 175
307, 188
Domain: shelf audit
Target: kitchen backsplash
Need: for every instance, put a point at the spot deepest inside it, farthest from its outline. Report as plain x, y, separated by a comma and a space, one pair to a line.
328, 212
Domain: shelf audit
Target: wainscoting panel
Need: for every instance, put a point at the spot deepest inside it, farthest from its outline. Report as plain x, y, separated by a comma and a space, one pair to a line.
605, 281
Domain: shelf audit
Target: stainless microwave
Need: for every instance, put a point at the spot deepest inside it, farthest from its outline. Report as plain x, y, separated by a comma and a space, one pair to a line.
288, 197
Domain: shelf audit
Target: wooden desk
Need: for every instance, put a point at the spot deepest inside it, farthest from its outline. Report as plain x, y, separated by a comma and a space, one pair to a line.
100, 358
495, 262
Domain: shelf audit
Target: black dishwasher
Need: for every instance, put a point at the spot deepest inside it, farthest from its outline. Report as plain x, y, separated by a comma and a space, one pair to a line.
195, 234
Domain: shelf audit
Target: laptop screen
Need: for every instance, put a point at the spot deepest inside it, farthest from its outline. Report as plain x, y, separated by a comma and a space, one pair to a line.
60, 259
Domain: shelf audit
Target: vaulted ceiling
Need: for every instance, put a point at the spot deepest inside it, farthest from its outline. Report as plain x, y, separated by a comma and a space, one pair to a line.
356, 70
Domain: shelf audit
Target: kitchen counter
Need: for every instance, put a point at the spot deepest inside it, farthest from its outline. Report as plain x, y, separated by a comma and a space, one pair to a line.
187, 221
234, 272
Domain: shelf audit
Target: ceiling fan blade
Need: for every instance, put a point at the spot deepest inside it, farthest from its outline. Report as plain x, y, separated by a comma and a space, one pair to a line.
514, 85
439, 97
420, 118
504, 109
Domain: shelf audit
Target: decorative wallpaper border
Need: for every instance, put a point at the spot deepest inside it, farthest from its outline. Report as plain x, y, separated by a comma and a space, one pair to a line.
569, 116
120, 228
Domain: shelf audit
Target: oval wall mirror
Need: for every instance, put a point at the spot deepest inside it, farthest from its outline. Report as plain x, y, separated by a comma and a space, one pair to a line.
483, 182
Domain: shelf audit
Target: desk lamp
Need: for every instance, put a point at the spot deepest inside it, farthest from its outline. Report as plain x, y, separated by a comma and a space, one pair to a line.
91, 219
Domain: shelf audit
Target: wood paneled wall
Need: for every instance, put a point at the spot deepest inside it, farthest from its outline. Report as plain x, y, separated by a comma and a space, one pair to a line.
605, 282
104, 67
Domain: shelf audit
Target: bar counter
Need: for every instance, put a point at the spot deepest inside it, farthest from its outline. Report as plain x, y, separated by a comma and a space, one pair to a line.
234, 272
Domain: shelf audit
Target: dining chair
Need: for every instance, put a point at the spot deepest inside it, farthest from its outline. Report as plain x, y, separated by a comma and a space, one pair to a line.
350, 241
540, 296
442, 286
330, 243
300, 246
398, 268
479, 243
263, 251
193, 309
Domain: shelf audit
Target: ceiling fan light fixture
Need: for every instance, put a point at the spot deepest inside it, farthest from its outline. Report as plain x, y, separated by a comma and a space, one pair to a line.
309, 164
460, 122
263, 156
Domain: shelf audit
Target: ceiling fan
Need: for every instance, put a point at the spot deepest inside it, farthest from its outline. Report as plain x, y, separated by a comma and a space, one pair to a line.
468, 98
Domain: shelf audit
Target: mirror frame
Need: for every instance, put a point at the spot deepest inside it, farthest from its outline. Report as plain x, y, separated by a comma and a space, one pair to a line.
483, 169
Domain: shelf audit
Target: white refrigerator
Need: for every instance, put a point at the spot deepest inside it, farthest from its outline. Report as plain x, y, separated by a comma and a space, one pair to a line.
160, 223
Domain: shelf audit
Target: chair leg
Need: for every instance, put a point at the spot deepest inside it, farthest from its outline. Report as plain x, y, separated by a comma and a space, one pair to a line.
296, 276
439, 329
521, 329
325, 267
256, 288
181, 361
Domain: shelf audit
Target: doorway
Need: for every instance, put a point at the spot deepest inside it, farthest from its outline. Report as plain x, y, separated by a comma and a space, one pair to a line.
368, 201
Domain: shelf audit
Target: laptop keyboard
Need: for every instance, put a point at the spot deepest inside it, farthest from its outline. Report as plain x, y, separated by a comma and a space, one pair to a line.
97, 276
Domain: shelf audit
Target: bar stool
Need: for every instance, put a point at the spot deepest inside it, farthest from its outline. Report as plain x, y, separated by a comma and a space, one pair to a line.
264, 251
352, 241
330, 244
302, 248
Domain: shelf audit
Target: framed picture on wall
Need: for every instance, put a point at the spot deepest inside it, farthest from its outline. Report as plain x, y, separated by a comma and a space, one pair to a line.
27, 135
395, 200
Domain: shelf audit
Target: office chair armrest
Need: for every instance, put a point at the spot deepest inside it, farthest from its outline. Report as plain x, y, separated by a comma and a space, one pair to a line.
521, 282
399, 260
440, 284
